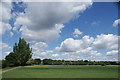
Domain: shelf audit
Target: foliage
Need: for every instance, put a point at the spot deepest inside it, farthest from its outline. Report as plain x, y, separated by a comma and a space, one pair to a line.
37, 61
34, 62
4, 64
20, 55
79, 62
12, 59
47, 61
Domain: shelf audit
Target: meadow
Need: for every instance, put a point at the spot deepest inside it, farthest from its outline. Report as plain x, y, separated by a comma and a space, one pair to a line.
64, 71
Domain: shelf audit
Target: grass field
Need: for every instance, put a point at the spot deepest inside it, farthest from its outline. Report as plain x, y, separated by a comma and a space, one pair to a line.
63, 71
6, 68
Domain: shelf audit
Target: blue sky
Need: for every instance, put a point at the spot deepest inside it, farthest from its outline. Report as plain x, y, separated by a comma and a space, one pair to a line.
70, 31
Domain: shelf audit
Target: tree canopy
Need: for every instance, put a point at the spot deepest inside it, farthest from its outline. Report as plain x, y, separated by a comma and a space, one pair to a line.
21, 53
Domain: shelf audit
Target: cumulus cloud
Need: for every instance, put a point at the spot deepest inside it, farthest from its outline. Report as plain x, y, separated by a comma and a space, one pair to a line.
42, 18
113, 52
6, 11
77, 32
4, 47
4, 27
106, 41
112, 55
74, 50
71, 45
116, 22
5, 16
85, 54
42, 54
39, 46
49, 17
87, 48
46, 35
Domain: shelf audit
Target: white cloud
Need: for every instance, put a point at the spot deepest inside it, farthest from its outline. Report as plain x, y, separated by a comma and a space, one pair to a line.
71, 45
39, 46
11, 34
21, 20
42, 18
4, 27
85, 48
112, 55
4, 47
113, 52
6, 11
42, 54
81, 55
76, 33
49, 17
104, 41
5, 16
46, 35
116, 22
55, 55
85, 54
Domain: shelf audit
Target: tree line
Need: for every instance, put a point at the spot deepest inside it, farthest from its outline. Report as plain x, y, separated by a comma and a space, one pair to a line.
65, 62
22, 53
62, 62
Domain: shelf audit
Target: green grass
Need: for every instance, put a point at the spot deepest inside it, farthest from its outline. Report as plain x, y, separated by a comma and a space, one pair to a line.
6, 68
63, 71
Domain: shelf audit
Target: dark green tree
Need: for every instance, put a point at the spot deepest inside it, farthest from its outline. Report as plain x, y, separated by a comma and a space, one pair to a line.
47, 61
37, 61
21, 53
12, 59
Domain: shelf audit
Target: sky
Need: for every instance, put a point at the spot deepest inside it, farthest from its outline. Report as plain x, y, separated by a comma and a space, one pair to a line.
62, 30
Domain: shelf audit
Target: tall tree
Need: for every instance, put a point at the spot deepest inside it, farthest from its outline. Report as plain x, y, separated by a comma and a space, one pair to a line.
24, 51
21, 53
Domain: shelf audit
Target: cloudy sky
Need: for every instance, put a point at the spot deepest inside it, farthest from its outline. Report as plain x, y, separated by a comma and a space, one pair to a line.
62, 30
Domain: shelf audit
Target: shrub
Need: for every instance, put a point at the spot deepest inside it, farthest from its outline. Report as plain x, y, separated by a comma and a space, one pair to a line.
4, 64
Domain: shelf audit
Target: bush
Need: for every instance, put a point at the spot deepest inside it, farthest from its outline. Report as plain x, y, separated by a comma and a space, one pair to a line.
29, 63
4, 64
103, 64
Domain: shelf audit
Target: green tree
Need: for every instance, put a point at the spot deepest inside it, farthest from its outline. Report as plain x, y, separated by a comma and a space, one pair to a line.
21, 53
37, 61
4, 64
12, 59
47, 61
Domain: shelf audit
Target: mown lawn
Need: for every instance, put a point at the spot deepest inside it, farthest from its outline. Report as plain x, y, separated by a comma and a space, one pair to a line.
63, 71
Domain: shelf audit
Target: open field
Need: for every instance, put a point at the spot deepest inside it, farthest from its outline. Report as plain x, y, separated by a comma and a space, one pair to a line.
63, 71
